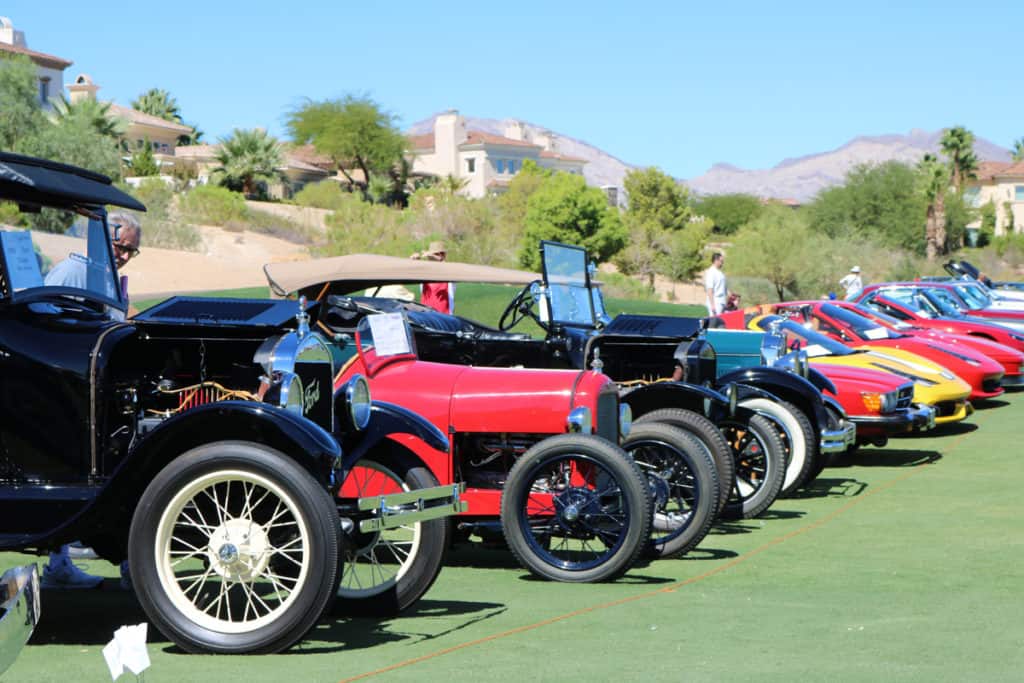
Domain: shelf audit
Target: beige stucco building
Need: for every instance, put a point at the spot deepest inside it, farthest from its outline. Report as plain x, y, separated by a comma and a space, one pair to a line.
484, 161
49, 69
202, 159
1001, 183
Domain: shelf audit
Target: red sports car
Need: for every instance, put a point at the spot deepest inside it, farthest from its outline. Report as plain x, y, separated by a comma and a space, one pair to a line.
922, 308
968, 297
1011, 359
843, 322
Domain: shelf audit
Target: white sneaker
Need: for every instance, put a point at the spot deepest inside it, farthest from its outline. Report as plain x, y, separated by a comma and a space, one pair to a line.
77, 551
62, 573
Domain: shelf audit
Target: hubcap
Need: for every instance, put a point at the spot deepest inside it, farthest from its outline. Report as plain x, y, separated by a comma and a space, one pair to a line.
238, 550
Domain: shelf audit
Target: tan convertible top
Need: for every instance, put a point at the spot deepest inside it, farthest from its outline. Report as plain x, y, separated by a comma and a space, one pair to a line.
356, 272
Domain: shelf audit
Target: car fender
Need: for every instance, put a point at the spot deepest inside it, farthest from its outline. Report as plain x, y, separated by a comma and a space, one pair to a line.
699, 399
389, 418
786, 386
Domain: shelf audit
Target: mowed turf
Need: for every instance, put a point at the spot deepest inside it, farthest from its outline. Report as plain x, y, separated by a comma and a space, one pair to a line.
902, 563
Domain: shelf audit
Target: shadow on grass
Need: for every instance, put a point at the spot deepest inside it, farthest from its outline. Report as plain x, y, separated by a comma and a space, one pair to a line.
940, 430
988, 404
886, 457
700, 553
89, 617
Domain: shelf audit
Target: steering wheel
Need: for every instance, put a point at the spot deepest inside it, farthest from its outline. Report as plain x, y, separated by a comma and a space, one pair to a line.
519, 308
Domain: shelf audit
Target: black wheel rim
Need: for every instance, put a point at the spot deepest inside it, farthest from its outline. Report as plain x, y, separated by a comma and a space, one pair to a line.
673, 487
751, 459
574, 514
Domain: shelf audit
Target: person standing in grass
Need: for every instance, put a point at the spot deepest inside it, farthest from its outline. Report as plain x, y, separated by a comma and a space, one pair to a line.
715, 286
437, 295
852, 283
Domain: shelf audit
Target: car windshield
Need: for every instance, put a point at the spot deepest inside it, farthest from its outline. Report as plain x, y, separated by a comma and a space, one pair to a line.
863, 327
799, 337
565, 274
945, 301
883, 318
973, 295
75, 261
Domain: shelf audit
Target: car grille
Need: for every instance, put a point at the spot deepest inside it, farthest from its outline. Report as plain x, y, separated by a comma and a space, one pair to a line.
947, 408
608, 415
990, 384
904, 396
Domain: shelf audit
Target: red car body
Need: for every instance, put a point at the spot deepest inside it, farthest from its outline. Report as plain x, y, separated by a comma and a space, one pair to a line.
910, 309
471, 404
1014, 315
1011, 359
845, 323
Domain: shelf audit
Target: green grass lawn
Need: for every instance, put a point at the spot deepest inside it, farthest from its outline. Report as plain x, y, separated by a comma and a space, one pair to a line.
904, 563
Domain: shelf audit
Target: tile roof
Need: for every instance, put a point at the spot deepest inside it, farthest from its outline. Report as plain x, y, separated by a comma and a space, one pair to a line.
560, 157
476, 137
421, 141
135, 116
988, 170
308, 154
40, 58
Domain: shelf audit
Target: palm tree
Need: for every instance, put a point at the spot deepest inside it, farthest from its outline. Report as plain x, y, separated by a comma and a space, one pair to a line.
247, 158
958, 145
1018, 149
934, 181
90, 112
158, 102
193, 138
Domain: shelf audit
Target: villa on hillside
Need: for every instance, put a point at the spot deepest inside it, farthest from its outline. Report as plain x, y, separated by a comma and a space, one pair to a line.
1002, 183
49, 69
484, 161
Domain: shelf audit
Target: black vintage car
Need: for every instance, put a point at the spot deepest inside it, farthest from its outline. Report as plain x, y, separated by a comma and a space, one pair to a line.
205, 444
634, 350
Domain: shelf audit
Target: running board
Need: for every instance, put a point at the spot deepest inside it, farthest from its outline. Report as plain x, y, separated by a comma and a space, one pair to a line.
397, 509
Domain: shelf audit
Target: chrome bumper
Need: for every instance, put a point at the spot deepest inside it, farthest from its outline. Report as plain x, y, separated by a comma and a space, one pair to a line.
19, 591
396, 509
838, 440
924, 417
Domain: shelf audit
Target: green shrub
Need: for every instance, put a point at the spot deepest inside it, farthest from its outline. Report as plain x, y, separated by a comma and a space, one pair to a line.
279, 226
10, 214
161, 225
361, 227
327, 194
213, 205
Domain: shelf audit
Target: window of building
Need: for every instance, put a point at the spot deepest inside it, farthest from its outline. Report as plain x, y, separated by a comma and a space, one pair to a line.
972, 196
1018, 193
500, 165
44, 89
511, 166
470, 165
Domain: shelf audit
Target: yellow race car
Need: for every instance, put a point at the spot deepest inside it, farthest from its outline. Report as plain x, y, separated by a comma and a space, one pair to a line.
934, 385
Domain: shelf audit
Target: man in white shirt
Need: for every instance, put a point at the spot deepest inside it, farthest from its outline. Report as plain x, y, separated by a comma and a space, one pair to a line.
852, 283
714, 285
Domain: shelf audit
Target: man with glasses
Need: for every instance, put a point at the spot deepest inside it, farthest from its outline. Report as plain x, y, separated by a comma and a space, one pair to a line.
125, 236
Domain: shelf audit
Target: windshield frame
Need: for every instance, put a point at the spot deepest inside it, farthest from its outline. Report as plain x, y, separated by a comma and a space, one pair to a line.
856, 323
574, 287
810, 337
97, 239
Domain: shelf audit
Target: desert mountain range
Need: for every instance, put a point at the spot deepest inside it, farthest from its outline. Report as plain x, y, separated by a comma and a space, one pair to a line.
798, 178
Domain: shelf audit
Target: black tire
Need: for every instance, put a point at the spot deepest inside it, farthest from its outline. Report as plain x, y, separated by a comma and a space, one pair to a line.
683, 482
246, 513
710, 437
760, 464
576, 508
383, 573
799, 439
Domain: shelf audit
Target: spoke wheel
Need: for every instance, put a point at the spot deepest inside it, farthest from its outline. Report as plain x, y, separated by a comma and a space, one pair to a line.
799, 439
227, 546
683, 483
760, 459
384, 572
576, 508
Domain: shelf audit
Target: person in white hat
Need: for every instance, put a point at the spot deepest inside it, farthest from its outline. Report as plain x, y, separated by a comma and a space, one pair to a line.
852, 283
437, 295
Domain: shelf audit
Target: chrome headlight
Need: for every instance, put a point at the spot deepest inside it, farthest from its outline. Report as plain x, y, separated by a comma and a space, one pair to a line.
286, 392
625, 420
358, 402
580, 421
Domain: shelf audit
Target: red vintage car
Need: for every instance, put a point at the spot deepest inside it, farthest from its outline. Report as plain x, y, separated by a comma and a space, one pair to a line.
1011, 359
844, 323
538, 452
921, 308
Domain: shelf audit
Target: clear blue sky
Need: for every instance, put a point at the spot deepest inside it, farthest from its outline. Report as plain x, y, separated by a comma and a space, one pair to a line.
677, 85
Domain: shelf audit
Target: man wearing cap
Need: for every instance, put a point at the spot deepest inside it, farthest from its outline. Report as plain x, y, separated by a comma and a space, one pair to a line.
437, 295
852, 283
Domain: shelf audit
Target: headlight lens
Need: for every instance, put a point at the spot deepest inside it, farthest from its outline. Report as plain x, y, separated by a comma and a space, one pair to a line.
625, 419
289, 393
357, 398
580, 421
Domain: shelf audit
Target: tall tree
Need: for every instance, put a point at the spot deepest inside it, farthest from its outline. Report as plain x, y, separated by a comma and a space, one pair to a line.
957, 144
20, 113
729, 212
247, 158
353, 131
1018, 149
158, 102
656, 196
934, 181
